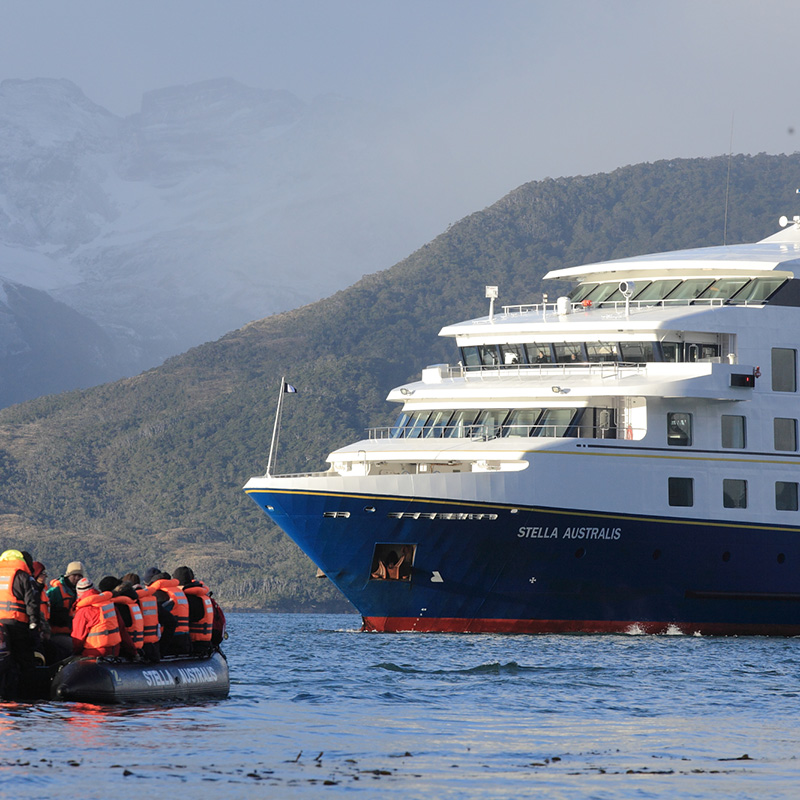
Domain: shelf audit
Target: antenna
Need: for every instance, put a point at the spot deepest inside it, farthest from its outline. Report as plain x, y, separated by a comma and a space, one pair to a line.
728, 186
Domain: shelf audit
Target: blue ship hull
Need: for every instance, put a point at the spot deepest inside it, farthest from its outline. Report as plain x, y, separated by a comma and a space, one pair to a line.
481, 567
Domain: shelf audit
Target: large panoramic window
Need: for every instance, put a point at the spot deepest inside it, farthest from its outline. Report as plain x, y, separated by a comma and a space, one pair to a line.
784, 371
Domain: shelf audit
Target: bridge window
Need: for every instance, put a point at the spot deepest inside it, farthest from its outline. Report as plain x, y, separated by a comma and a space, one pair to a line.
554, 422
539, 353
569, 352
520, 422
601, 352
512, 354
637, 352
758, 290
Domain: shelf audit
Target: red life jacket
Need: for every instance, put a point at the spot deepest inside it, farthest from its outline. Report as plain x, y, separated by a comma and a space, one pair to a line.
44, 604
200, 631
136, 628
180, 605
103, 636
149, 607
12, 607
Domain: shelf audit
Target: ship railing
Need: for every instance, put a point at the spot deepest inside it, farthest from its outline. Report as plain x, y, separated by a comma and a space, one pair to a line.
487, 431
602, 369
617, 305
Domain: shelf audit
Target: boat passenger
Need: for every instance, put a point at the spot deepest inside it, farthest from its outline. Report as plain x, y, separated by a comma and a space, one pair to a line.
167, 622
95, 630
20, 614
201, 609
179, 643
128, 620
43, 644
62, 596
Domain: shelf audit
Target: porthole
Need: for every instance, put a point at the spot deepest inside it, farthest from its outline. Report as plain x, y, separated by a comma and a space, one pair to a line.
726, 556
781, 558
369, 509
580, 553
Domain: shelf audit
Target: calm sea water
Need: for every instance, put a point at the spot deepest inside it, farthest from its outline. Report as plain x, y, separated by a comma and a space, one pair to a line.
318, 709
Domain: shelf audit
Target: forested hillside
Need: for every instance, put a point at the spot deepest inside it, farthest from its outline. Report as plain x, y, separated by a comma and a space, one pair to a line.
149, 470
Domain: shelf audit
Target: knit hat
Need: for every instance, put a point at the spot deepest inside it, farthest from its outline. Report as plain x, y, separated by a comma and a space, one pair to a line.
84, 585
108, 584
74, 568
150, 574
183, 575
38, 569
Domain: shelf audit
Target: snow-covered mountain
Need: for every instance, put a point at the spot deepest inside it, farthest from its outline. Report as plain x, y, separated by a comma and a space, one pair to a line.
214, 205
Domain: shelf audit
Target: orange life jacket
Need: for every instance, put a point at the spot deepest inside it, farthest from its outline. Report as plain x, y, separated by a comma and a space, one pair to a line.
180, 605
136, 628
68, 602
12, 607
103, 636
200, 631
149, 607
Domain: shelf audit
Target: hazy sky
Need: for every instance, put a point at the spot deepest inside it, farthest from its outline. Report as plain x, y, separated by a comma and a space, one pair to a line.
511, 91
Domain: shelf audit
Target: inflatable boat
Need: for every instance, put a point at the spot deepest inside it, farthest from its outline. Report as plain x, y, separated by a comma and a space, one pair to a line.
114, 680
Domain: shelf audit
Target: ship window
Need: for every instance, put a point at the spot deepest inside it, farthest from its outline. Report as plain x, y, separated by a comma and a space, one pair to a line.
569, 352
656, 291
437, 424
734, 493
520, 422
689, 289
637, 352
679, 429
489, 421
416, 424
601, 351
461, 423
601, 292
618, 297
399, 425
580, 291
758, 290
471, 357
784, 376
733, 431
700, 352
785, 433
681, 492
605, 423
554, 422
512, 354
392, 561
539, 353
671, 350
723, 289
488, 354
785, 496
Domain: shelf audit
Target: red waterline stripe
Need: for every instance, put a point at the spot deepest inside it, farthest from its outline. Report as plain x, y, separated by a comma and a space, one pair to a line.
461, 625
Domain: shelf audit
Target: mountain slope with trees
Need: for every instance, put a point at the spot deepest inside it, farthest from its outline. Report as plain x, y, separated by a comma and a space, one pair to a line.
149, 470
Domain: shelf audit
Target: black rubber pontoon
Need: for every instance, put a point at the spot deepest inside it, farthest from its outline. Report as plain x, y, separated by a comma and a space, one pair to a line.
114, 680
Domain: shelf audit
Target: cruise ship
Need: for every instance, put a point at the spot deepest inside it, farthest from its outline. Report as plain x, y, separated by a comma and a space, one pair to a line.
624, 459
